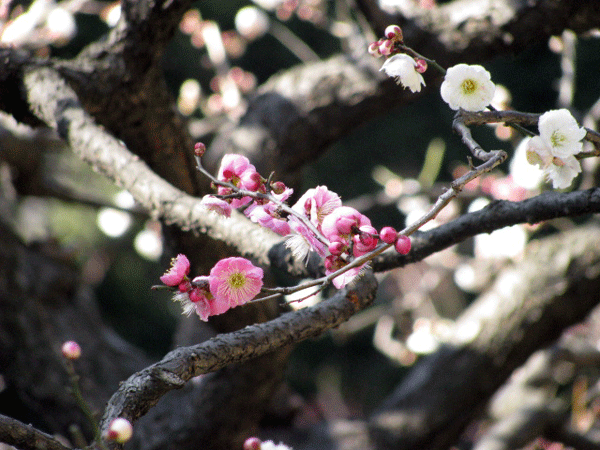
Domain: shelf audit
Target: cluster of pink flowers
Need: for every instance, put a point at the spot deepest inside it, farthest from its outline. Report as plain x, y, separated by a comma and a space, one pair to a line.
232, 282
317, 221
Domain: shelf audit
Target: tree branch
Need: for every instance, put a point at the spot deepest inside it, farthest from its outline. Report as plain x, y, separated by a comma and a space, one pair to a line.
498, 214
530, 304
26, 437
143, 389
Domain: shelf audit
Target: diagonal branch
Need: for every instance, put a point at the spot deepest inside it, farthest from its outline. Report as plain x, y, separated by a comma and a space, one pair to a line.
24, 436
143, 389
498, 214
55, 103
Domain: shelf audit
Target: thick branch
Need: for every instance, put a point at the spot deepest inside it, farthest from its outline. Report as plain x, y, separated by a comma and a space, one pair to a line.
473, 31
56, 104
556, 286
143, 389
26, 437
499, 214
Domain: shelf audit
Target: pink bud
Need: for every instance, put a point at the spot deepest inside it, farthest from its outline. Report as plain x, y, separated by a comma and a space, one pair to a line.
393, 32
388, 235
278, 187
336, 248
421, 66
119, 430
252, 443
374, 49
199, 149
403, 245
385, 48
71, 350
367, 235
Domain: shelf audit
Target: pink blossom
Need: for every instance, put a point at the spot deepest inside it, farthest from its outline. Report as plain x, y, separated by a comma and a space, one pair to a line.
205, 304
336, 248
233, 167
342, 222
364, 240
235, 281
267, 216
180, 267
303, 240
217, 205
251, 180
280, 191
333, 264
237, 170
317, 203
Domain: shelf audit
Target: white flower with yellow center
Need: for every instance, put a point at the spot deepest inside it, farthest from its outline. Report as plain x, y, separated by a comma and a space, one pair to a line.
561, 133
467, 87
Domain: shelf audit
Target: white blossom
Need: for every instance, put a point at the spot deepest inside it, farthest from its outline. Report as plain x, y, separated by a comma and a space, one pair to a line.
467, 87
403, 68
270, 445
561, 133
560, 170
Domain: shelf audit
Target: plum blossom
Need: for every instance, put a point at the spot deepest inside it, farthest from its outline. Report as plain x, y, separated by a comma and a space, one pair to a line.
217, 205
388, 235
404, 69
303, 240
180, 267
317, 203
365, 240
333, 264
555, 148
237, 170
561, 133
468, 87
235, 281
267, 216
403, 245
560, 170
203, 302
342, 223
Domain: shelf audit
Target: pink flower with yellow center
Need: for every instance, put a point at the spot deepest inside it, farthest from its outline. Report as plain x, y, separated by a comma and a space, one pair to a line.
235, 281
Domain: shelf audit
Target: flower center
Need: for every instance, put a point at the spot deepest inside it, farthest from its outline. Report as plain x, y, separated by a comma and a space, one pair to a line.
469, 86
237, 280
557, 138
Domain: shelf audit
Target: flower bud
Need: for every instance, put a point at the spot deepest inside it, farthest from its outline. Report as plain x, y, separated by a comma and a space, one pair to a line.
388, 235
252, 443
374, 49
336, 248
71, 350
421, 66
403, 245
278, 187
199, 149
119, 430
393, 32
385, 48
